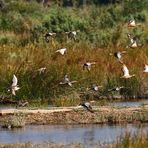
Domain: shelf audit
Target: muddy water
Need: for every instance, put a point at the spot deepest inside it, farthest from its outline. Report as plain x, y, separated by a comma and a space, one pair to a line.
88, 135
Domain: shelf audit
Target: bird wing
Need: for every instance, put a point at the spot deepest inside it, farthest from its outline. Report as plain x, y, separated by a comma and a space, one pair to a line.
14, 81
89, 67
125, 70
146, 68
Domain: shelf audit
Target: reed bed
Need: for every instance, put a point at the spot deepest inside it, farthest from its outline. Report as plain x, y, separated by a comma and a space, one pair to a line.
103, 30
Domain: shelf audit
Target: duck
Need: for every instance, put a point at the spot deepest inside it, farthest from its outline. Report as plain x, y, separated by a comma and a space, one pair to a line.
14, 87
87, 106
61, 51
88, 65
126, 74
67, 81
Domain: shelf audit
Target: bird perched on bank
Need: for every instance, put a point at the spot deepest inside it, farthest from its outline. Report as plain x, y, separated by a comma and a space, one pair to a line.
41, 70
67, 81
87, 106
48, 35
118, 55
14, 86
61, 51
88, 65
145, 69
126, 74
72, 34
116, 88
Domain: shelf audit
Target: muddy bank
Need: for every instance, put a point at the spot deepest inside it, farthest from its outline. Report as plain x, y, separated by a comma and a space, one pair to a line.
80, 116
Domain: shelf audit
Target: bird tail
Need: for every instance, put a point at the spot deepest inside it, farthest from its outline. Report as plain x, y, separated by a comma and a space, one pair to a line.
90, 110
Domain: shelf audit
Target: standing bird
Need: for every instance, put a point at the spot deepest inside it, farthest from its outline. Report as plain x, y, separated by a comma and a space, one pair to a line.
41, 70
118, 55
67, 81
87, 65
126, 74
87, 106
116, 88
145, 69
14, 86
61, 51
48, 35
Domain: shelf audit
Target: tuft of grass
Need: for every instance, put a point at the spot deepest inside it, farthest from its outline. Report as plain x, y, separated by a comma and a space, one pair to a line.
15, 121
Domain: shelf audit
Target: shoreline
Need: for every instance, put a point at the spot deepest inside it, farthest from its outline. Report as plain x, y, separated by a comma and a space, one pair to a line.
75, 115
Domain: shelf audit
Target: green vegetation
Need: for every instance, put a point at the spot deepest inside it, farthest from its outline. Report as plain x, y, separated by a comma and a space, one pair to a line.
103, 29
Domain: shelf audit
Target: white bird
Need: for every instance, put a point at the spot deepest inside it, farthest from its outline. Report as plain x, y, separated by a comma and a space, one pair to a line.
87, 65
126, 74
41, 70
132, 23
67, 81
133, 42
87, 106
14, 86
116, 88
48, 35
118, 55
61, 51
95, 87
72, 34
145, 69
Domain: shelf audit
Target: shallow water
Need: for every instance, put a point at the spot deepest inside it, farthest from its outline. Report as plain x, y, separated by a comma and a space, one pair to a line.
116, 104
87, 135
130, 103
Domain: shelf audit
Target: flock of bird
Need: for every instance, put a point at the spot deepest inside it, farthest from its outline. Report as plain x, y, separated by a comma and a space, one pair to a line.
118, 55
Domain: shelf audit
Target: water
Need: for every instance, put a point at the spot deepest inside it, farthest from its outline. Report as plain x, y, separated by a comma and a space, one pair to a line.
87, 135
116, 104
130, 103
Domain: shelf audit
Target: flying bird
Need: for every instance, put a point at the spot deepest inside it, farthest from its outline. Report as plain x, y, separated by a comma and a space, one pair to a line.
126, 74
67, 81
88, 65
14, 86
41, 70
145, 69
133, 42
118, 55
116, 88
72, 34
87, 106
132, 23
48, 35
61, 51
